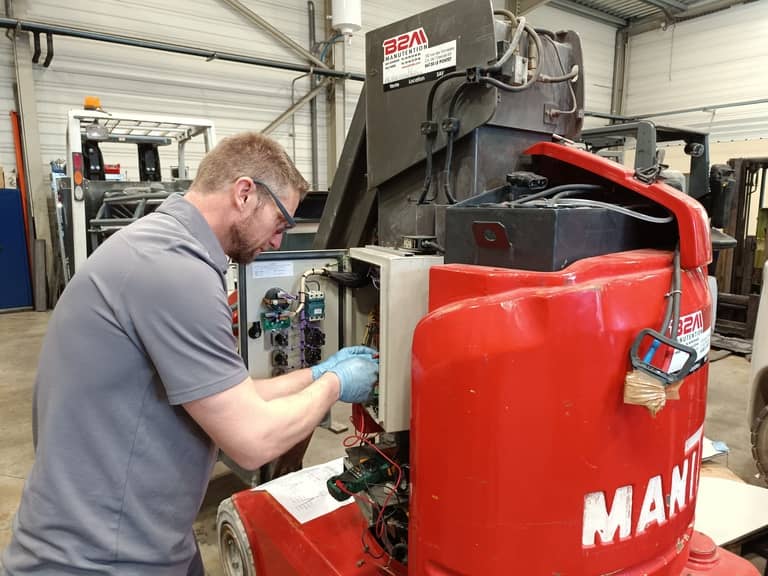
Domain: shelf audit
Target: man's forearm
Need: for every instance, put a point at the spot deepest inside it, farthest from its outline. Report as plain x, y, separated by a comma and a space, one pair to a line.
311, 404
253, 431
279, 386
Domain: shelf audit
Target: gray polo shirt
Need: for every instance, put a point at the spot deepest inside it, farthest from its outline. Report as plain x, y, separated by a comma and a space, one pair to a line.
120, 468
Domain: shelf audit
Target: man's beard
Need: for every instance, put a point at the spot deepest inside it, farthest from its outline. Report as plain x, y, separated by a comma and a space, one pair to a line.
241, 252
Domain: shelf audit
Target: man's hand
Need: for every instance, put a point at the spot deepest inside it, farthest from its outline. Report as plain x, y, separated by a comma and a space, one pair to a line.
357, 375
343, 354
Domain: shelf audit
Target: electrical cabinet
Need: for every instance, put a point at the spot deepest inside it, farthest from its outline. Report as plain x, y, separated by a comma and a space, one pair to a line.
388, 309
297, 308
289, 317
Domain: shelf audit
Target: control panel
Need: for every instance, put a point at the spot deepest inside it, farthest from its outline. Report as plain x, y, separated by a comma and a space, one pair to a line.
291, 311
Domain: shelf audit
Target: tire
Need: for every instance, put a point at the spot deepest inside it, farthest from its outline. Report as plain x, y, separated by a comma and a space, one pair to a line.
235, 552
760, 442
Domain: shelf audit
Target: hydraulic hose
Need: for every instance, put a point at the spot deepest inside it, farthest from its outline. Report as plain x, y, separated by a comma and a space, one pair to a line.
553, 191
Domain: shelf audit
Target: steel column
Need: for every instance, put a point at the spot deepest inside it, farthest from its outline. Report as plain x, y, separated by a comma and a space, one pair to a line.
313, 102
37, 190
620, 53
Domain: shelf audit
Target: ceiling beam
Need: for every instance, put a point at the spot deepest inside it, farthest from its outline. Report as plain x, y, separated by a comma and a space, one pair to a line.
693, 11
591, 13
521, 7
668, 4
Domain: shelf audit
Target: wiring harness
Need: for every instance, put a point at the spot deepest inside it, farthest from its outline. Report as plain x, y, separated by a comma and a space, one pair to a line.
487, 77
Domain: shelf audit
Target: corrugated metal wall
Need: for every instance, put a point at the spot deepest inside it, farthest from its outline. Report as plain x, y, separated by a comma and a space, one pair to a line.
715, 59
7, 103
236, 96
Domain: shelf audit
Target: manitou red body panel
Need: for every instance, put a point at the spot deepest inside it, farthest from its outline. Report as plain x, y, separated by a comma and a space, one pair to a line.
525, 459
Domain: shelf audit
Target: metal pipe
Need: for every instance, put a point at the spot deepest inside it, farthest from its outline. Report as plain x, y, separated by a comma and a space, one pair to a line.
313, 103
287, 40
137, 139
293, 117
635, 117
702, 108
607, 116
28, 26
295, 108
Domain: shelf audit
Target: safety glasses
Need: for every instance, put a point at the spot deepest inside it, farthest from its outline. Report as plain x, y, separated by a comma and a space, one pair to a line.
289, 221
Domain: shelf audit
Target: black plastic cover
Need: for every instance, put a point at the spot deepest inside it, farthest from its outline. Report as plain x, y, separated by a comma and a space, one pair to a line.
545, 238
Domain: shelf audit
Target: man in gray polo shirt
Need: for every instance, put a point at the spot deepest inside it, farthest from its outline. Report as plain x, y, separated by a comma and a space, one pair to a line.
139, 379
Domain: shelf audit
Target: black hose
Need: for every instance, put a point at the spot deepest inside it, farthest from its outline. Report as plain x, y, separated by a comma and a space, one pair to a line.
449, 144
447, 172
435, 86
428, 171
431, 138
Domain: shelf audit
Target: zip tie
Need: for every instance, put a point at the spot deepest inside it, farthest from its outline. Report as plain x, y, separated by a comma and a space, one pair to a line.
672, 293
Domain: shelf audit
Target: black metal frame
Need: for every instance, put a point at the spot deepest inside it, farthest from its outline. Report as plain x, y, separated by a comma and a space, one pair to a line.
648, 135
741, 280
120, 210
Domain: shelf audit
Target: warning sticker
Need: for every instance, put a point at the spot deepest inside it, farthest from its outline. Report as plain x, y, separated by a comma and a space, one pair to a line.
408, 59
691, 332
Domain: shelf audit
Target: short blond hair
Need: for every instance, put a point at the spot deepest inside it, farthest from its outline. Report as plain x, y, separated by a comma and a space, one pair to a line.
249, 154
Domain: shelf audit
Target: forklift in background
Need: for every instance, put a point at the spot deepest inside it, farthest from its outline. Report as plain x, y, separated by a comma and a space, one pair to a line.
92, 206
723, 197
739, 272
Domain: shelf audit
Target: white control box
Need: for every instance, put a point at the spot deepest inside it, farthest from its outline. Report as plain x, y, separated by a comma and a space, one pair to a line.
398, 297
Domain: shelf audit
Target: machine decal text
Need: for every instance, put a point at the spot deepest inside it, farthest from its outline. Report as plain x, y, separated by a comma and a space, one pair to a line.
408, 59
603, 525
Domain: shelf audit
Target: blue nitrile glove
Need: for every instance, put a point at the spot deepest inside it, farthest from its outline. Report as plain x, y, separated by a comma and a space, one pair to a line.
357, 375
348, 352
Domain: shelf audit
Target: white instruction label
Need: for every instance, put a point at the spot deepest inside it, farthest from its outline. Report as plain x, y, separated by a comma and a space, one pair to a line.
691, 332
408, 59
273, 269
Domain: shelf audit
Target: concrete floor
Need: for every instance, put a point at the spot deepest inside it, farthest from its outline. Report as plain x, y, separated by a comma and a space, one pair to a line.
20, 346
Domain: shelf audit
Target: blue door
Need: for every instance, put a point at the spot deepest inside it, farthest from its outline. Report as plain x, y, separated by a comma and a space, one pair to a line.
15, 288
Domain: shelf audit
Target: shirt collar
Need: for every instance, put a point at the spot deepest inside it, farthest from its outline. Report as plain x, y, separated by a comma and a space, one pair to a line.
191, 218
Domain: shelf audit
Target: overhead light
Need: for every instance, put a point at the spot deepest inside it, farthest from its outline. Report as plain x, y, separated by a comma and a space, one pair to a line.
96, 131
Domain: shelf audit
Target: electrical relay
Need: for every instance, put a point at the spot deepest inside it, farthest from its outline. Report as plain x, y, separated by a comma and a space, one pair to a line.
315, 305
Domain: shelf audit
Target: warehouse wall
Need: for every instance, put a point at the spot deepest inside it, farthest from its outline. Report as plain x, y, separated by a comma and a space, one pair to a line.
7, 78
715, 59
237, 97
